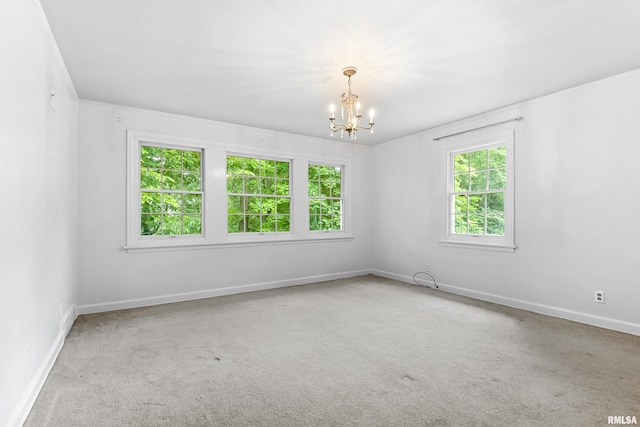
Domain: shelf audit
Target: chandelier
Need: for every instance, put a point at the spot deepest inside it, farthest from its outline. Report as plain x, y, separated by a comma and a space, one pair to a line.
352, 105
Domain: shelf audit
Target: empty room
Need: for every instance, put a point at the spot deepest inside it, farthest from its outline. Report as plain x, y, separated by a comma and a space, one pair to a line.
338, 213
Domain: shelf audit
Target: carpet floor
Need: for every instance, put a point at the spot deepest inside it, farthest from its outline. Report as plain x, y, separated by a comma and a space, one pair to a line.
364, 351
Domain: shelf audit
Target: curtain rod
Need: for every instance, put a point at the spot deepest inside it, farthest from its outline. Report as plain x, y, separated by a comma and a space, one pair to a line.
517, 119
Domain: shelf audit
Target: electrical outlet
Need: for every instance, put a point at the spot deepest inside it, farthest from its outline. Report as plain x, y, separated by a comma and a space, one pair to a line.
599, 297
427, 268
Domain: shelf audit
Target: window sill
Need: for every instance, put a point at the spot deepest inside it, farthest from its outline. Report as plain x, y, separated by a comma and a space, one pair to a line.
175, 246
493, 247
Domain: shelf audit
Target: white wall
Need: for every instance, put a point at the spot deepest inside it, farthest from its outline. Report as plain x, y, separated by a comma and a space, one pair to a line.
577, 203
110, 278
38, 199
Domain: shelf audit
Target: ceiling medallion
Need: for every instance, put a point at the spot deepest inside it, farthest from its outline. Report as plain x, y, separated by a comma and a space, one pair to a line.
352, 105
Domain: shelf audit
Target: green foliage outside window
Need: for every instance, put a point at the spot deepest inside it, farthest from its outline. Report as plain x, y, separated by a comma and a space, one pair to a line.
170, 191
480, 180
258, 195
325, 197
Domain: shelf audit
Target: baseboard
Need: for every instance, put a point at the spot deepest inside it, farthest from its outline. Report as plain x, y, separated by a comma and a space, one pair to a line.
589, 319
231, 290
28, 399
66, 322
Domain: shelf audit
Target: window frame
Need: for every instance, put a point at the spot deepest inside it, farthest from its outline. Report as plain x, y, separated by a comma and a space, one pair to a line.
471, 143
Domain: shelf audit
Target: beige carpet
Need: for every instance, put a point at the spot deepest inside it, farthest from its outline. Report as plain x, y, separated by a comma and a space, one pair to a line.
356, 352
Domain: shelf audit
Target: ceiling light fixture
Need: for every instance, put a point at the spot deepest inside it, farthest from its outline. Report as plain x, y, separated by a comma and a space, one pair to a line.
351, 103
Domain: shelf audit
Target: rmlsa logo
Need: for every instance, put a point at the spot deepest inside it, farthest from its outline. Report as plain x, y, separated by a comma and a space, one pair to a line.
619, 419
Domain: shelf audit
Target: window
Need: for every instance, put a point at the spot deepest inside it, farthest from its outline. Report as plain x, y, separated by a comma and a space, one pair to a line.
258, 195
170, 191
325, 197
480, 192
187, 193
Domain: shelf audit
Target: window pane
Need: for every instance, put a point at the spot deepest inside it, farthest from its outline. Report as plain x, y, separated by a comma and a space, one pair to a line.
498, 157
284, 206
314, 188
315, 206
191, 161
172, 203
192, 224
282, 187
282, 170
171, 180
150, 225
268, 224
324, 189
327, 222
171, 224
461, 163
326, 207
150, 157
337, 173
497, 179
252, 185
315, 223
268, 168
254, 205
336, 190
191, 181
460, 223
313, 173
476, 224
337, 222
150, 179
478, 181
235, 205
461, 182
283, 223
235, 224
234, 184
234, 165
172, 158
192, 203
150, 203
478, 160
337, 207
252, 167
268, 186
268, 205
495, 202
253, 223
476, 203
332, 184
495, 225
460, 203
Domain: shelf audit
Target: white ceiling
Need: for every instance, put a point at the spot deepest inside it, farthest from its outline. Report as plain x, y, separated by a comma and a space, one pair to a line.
277, 64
